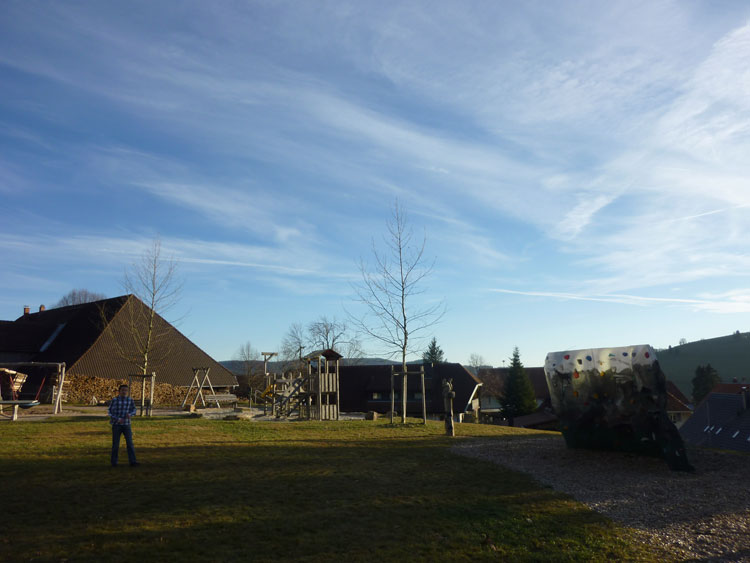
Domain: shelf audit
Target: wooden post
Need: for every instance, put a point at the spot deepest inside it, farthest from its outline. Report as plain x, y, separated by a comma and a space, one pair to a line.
195, 380
201, 384
58, 400
404, 392
424, 398
448, 395
320, 391
143, 394
338, 398
273, 399
266, 356
151, 399
393, 397
267, 381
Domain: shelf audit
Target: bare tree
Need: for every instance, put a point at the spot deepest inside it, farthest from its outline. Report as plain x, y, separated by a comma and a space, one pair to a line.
153, 280
389, 290
292, 346
252, 376
334, 334
77, 297
476, 361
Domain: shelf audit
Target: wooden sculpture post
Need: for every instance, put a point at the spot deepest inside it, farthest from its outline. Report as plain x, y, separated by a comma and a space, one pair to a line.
448, 395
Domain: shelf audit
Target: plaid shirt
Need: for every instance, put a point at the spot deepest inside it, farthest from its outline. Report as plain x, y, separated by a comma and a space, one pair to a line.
121, 407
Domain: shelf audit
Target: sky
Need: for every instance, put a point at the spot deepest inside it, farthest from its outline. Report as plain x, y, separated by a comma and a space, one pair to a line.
580, 170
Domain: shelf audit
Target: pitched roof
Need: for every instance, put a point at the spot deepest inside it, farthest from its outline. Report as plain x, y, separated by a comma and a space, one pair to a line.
95, 339
676, 401
66, 333
730, 388
494, 380
722, 421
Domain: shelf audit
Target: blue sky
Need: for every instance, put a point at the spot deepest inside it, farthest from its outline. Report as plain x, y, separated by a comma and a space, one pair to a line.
581, 169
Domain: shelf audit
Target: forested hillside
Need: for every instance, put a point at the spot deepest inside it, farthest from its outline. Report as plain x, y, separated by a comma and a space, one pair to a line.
730, 355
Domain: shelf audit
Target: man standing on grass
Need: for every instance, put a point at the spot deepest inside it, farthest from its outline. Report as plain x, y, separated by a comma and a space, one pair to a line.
121, 409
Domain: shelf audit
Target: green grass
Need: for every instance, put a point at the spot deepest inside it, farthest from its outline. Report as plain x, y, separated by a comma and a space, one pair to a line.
238, 490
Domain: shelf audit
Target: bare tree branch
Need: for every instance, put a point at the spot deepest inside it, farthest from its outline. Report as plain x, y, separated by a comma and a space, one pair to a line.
77, 297
476, 361
252, 376
153, 280
388, 290
333, 334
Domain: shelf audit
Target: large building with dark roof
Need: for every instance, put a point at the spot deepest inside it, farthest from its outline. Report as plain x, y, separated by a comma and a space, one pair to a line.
99, 340
367, 388
722, 419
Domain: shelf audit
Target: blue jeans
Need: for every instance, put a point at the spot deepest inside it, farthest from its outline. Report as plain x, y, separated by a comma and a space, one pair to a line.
126, 431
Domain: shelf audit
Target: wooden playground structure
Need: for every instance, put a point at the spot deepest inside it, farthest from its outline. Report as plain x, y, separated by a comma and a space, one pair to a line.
12, 380
312, 393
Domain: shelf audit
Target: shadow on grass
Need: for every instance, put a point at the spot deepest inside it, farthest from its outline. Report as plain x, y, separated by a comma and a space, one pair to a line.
326, 500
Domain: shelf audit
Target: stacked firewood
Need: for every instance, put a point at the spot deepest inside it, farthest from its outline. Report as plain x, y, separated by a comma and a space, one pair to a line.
88, 390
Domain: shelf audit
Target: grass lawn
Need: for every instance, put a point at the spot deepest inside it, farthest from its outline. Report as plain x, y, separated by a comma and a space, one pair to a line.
293, 491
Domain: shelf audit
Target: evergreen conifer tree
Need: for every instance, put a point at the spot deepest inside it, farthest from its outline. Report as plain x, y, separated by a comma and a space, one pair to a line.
518, 395
706, 377
433, 354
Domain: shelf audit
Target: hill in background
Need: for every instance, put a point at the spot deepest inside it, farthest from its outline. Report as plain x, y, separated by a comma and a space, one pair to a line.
237, 367
730, 355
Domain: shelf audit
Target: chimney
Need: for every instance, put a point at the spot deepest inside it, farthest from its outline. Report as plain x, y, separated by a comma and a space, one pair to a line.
26, 310
42, 308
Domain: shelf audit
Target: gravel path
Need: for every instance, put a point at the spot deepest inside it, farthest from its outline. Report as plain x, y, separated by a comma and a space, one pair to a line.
700, 516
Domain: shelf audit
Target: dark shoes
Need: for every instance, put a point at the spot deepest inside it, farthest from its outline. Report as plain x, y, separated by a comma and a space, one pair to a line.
136, 464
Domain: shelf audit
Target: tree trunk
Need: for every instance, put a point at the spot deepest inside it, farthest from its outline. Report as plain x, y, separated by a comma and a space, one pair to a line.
404, 391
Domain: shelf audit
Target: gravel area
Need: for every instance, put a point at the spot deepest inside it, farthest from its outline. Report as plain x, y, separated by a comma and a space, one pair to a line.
700, 516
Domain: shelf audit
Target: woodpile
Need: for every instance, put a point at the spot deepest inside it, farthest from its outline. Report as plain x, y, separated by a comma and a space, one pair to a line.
83, 389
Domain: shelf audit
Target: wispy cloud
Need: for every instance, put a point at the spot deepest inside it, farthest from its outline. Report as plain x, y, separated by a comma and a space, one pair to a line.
598, 151
108, 251
733, 302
